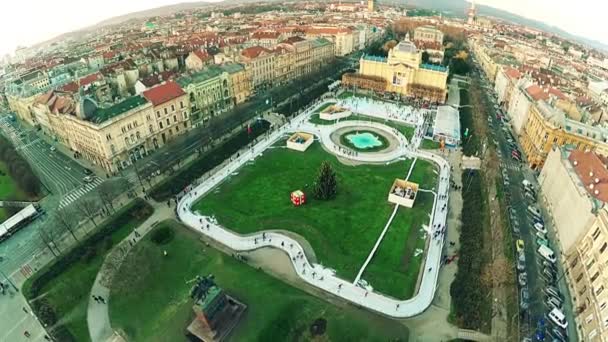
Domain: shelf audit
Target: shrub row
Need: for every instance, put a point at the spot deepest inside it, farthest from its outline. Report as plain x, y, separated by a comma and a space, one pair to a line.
470, 144
19, 169
468, 292
85, 250
177, 182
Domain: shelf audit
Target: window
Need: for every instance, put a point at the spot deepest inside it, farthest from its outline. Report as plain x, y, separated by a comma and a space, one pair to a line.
185, 115
580, 276
113, 149
596, 233
158, 113
599, 291
132, 138
603, 305
181, 104
185, 125
160, 124
129, 126
173, 108
127, 141
174, 118
151, 129
589, 319
590, 263
603, 247
597, 274
108, 136
166, 112
177, 128
137, 135
168, 122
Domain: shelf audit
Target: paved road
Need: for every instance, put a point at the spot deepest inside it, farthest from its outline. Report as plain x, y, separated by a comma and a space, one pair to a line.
315, 274
516, 172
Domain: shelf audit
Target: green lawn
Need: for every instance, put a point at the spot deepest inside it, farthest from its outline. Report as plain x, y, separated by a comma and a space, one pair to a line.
8, 190
150, 298
395, 267
341, 232
429, 144
66, 284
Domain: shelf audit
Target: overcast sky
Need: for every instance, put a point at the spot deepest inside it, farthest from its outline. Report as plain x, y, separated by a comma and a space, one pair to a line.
25, 22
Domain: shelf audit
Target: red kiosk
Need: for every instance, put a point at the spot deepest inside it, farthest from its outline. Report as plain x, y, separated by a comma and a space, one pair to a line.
298, 198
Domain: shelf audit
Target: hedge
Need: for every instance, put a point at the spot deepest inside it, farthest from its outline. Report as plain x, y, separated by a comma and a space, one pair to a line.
184, 177
468, 293
138, 209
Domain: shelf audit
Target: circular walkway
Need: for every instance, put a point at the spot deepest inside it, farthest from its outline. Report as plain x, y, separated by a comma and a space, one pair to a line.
315, 274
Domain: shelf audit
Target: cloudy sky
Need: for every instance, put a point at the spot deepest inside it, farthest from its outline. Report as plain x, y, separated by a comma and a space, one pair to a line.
25, 22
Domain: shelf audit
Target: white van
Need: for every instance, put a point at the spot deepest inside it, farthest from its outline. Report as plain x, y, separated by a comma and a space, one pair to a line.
534, 211
546, 253
557, 317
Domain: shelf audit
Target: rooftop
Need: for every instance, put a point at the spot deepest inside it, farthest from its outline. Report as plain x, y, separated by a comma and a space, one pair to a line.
232, 68
375, 58
104, 114
201, 76
163, 93
591, 170
434, 67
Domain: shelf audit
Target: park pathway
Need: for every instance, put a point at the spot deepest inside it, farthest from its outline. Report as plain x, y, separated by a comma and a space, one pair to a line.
315, 274
98, 315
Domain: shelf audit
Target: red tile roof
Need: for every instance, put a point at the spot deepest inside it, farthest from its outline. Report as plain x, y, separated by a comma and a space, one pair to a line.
202, 55
513, 73
266, 35
254, 51
591, 169
163, 93
537, 93
155, 79
72, 87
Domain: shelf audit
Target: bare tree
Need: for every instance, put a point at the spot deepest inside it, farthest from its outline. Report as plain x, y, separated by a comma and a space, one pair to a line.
106, 195
88, 207
66, 219
49, 236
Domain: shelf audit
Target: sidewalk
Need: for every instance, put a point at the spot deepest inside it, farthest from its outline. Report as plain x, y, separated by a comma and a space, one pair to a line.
98, 317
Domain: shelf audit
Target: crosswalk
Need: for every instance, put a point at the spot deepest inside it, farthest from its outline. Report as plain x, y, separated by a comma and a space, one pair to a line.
76, 194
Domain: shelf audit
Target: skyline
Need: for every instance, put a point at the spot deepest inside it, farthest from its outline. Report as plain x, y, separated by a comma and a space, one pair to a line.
47, 19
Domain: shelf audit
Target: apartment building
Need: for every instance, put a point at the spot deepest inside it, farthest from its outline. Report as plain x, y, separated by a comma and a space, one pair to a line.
506, 80
209, 92
260, 63
548, 126
343, 38
240, 82
171, 106
574, 185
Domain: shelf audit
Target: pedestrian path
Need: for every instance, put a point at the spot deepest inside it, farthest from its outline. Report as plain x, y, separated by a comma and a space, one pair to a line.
315, 274
77, 193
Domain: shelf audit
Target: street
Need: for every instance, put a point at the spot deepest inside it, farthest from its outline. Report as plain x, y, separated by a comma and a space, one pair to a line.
514, 173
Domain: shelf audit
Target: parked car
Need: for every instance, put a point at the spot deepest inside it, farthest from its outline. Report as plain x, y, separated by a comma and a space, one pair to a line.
546, 253
541, 235
87, 179
53, 149
88, 172
540, 242
559, 335
557, 316
521, 265
524, 298
534, 211
519, 244
552, 291
540, 227
522, 279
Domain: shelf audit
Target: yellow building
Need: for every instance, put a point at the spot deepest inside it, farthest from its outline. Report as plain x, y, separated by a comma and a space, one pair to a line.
548, 126
404, 73
240, 81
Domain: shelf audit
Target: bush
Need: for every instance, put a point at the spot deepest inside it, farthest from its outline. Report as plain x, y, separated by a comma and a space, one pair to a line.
162, 235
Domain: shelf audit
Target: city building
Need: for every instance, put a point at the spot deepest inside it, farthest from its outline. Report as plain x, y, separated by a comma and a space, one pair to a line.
574, 186
403, 73
259, 62
371, 5
171, 106
240, 82
209, 93
343, 38
197, 60
548, 126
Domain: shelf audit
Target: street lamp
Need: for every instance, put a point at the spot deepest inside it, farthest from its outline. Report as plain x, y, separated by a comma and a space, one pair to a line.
7, 278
